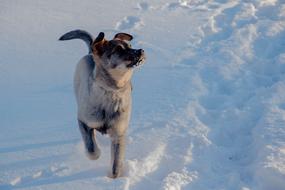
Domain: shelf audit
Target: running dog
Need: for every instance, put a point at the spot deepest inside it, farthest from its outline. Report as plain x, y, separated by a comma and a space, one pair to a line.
102, 85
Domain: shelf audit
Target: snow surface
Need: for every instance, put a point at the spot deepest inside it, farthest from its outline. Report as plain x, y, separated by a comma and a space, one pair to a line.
208, 106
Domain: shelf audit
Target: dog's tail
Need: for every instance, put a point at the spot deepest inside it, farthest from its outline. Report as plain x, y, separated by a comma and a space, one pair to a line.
79, 34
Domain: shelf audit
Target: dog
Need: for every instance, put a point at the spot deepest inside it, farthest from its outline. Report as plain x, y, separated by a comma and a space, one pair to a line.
102, 86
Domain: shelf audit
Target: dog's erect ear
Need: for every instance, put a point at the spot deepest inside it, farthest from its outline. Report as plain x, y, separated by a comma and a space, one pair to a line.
100, 37
99, 44
123, 36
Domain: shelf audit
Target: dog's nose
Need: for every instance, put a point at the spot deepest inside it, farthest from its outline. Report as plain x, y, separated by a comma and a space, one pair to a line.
140, 51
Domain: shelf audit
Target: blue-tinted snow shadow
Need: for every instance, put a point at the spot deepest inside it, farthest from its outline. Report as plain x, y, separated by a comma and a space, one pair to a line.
32, 162
54, 179
6, 186
37, 145
62, 179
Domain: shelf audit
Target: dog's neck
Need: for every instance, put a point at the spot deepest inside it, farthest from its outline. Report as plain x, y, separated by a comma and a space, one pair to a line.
112, 80
121, 77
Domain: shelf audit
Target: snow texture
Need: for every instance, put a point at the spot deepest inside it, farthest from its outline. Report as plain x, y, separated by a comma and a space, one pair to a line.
208, 105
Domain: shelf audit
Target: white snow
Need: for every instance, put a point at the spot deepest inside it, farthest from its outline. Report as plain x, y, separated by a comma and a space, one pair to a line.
208, 106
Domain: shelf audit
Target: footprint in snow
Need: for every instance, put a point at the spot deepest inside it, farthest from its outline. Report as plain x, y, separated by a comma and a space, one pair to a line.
282, 106
129, 22
222, 24
176, 5
185, 4
31, 179
143, 6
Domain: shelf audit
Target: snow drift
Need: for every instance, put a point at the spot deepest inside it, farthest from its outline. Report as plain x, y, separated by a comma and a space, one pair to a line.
208, 106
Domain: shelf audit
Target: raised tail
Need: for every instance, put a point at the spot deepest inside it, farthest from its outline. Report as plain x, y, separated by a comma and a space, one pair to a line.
79, 34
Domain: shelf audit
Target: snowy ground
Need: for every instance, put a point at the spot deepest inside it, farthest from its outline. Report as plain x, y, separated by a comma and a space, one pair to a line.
209, 104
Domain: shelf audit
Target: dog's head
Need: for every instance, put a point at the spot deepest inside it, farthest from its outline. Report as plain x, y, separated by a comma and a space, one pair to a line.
117, 54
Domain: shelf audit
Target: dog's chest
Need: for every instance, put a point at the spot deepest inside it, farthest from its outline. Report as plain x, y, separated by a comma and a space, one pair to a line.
108, 101
105, 107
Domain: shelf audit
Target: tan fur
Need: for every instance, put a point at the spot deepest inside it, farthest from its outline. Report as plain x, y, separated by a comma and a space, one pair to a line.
98, 47
121, 76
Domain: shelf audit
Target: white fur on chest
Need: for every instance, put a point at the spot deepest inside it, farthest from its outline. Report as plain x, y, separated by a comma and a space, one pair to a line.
93, 97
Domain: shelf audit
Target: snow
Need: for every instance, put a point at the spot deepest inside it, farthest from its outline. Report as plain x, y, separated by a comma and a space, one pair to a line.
208, 105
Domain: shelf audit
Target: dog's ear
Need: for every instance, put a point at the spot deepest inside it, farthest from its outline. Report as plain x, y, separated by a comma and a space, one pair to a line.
123, 36
99, 44
100, 37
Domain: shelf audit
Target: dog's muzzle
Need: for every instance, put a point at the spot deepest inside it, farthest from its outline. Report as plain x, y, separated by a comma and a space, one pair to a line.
139, 57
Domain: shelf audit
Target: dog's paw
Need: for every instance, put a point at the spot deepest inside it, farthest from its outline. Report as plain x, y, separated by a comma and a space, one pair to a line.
119, 172
114, 175
94, 155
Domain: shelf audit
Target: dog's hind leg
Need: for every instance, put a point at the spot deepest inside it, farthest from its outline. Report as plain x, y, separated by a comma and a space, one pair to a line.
117, 156
89, 138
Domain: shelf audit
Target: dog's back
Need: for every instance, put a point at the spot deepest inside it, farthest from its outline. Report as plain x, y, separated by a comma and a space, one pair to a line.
83, 72
82, 82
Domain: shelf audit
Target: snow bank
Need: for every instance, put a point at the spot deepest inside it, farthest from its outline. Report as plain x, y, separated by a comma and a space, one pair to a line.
209, 104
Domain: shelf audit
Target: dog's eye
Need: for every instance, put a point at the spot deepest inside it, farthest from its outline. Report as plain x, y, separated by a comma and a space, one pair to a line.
120, 49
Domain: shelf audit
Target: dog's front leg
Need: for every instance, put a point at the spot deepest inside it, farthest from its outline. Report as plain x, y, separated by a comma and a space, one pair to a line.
117, 155
88, 135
